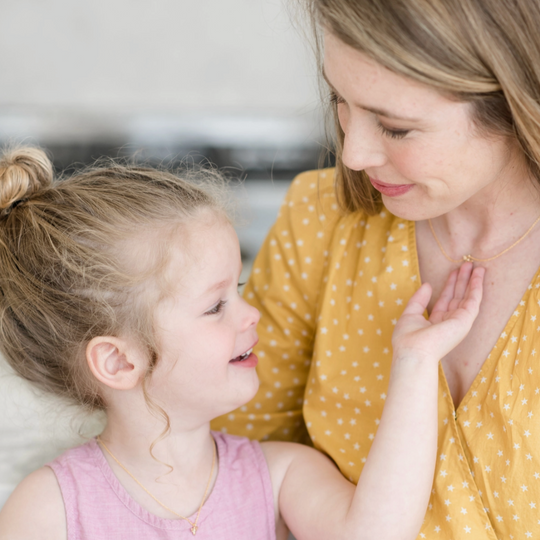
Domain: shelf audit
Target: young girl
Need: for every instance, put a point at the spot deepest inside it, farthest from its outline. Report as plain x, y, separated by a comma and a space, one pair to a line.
118, 291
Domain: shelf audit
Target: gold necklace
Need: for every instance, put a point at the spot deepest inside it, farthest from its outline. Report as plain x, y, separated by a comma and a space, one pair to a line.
193, 524
470, 258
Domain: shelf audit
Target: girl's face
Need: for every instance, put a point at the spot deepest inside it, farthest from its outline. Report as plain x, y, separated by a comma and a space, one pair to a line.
205, 329
419, 148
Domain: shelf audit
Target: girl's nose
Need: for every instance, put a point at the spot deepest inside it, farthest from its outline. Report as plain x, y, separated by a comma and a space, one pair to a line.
362, 148
251, 315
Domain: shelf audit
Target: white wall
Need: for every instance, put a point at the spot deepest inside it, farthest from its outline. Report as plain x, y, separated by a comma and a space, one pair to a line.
99, 66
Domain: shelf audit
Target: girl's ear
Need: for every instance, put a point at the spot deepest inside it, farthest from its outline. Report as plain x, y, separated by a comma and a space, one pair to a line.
114, 363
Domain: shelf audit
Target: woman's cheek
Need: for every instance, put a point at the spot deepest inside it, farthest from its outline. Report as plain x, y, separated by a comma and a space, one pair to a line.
408, 164
343, 116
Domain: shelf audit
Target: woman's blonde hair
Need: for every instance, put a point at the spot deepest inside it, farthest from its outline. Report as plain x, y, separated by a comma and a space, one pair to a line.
486, 52
75, 262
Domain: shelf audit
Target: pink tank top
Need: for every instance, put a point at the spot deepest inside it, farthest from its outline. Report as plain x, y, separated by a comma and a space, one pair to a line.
240, 506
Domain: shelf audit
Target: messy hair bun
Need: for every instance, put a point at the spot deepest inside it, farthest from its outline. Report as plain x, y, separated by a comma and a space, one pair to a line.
23, 172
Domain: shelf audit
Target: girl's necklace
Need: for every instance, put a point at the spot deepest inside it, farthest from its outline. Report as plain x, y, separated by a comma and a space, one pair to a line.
470, 258
193, 524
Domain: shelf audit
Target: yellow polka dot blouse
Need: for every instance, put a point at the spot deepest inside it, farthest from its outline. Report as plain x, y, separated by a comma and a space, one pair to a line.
330, 288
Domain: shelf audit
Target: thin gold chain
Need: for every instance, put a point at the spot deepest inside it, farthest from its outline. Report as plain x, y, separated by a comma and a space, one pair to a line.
193, 524
470, 258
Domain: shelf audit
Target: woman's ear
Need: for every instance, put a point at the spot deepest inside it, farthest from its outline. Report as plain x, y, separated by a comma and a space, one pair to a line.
114, 363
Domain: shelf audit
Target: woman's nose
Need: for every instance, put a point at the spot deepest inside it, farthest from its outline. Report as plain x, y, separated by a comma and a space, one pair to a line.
362, 148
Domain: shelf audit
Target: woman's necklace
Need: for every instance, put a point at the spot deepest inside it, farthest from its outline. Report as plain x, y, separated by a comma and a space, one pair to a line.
470, 258
193, 524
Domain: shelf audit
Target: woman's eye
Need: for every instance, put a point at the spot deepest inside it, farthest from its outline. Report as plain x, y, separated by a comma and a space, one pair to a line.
335, 99
217, 308
393, 133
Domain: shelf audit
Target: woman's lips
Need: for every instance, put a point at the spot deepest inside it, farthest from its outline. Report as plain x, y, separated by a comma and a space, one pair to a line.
391, 190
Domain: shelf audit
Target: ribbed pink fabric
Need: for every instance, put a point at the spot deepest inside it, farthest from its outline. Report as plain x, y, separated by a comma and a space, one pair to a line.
240, 506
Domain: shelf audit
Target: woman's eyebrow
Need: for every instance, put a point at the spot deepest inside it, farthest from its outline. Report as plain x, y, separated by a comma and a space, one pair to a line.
375, 110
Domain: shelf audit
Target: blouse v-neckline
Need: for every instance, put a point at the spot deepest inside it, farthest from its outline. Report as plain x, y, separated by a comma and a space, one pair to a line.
491, 361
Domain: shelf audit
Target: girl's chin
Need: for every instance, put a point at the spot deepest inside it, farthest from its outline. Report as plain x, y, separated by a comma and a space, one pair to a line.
244, 395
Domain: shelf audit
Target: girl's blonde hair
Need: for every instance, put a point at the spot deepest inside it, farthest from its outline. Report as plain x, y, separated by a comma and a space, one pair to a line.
486, 52
75, 263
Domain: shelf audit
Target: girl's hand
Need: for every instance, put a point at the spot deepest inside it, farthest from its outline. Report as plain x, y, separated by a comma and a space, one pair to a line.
451, 319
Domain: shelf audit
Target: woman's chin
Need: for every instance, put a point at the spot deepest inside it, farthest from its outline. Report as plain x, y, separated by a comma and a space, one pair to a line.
411, 209
402, 209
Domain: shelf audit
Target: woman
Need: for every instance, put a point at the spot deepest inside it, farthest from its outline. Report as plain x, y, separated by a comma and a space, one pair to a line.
438, 150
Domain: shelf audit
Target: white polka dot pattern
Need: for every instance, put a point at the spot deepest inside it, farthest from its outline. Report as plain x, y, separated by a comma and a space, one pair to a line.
330, 288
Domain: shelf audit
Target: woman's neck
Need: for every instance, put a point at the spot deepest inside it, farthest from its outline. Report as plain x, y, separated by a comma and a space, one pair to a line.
492, 220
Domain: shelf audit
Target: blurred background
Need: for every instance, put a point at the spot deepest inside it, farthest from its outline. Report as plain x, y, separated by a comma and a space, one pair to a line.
231, 82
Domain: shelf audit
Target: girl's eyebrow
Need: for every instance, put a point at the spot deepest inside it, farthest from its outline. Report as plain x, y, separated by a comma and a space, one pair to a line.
217, 286
375, 110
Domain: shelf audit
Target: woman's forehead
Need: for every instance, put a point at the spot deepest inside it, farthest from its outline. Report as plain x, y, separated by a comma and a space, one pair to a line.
365, 83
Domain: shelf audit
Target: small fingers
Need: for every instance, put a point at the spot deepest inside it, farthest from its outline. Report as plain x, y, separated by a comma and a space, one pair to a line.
474, 292
419, 301
464, 275
447, 295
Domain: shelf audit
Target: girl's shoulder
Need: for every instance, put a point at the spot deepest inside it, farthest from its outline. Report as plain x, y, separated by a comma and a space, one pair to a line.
40, 496
35, 509
239, 455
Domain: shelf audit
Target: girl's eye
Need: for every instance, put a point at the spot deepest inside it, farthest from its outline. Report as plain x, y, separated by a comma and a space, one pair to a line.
217, 308
393, 133
335, 99
240, 285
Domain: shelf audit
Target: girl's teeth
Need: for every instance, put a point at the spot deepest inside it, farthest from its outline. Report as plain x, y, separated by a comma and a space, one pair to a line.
246, 354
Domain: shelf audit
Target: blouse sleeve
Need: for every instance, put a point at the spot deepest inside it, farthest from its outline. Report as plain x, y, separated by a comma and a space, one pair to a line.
284, 286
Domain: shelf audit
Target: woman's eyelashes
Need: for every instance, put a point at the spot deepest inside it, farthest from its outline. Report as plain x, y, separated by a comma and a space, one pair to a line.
392, 133
217, 308
335, 99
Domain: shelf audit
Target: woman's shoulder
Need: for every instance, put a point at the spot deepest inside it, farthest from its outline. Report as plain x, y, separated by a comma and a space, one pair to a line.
310, 205
35, 509
309, 184
313, 192
312, 199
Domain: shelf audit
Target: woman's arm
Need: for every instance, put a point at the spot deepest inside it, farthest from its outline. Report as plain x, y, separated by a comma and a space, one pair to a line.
392, 494
35, 510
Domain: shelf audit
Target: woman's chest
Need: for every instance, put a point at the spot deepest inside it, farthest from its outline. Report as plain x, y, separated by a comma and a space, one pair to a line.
486, 480
486, 477
506, 293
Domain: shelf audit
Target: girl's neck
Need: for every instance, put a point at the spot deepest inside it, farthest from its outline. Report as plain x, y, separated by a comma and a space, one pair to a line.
179, 476
186, 450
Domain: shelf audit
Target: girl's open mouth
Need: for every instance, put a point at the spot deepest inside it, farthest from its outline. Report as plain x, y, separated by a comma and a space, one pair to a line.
247, 360
242, 357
